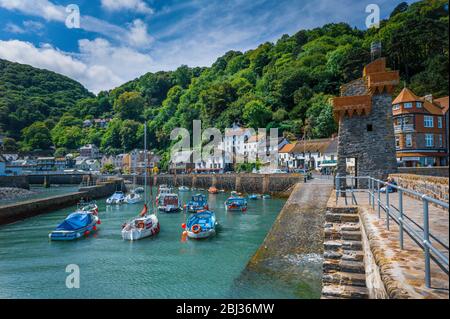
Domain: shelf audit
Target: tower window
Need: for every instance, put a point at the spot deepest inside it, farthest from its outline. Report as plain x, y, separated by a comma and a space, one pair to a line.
369, 128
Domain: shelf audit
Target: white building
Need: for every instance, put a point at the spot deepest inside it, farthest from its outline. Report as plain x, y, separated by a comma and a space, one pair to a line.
89, 151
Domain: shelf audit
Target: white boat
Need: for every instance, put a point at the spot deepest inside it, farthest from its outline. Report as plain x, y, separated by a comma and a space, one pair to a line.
133, 198
116, 198
163, 190
169, 203
139, 190
144, 225
141, 227
183, 189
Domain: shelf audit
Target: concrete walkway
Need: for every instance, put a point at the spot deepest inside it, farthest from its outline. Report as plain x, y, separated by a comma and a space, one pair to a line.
403, 271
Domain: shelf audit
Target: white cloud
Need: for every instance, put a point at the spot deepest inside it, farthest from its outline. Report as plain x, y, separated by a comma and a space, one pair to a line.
132, 5
99, 65
28, 26
135, 34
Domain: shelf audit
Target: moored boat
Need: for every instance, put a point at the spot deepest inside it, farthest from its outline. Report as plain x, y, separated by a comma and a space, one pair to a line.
169, 203
253, 196
213, 190
88, 207
76, 225
201, 225
197, 203
139, 190
236, 204
117, 198
141, 227
133, 198
266, 196
183, 188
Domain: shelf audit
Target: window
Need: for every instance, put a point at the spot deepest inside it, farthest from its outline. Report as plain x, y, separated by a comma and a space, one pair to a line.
439, 122
429, 140
419, 105
408, 140
396, 107
440, 140
369, 128
428, 121
397, 142
408, 105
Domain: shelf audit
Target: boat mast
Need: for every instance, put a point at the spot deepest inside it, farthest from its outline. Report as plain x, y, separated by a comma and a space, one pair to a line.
145, 162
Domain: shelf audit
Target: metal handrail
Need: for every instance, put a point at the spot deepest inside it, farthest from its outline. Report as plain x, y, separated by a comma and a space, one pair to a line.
422, 239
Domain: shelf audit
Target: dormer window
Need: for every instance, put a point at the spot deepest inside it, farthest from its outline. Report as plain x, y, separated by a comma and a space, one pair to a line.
419, 105
408, 105
396, 107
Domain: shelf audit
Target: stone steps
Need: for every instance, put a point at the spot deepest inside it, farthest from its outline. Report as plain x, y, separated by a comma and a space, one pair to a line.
343, 265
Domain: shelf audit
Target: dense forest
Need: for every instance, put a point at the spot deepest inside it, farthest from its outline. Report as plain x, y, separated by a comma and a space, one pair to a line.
286, 84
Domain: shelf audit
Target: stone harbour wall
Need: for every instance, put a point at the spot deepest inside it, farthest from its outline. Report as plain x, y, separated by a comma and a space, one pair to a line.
436, 187
246, 183
14, 181
439, 171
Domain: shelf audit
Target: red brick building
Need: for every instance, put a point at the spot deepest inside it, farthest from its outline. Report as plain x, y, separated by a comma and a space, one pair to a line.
420, 128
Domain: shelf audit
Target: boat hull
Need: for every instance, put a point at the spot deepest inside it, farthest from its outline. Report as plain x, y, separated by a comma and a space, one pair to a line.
202, 234
64, 235
136, 234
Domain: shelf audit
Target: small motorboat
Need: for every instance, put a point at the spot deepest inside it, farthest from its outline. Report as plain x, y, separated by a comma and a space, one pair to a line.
139, 190
266, 196
213, 190
236, 204
197, 203
141, 227
236, 194
183, 189
76, 225
133, 198
116, 198
253, 196
169, 203
163, 190
201, 225
88, 207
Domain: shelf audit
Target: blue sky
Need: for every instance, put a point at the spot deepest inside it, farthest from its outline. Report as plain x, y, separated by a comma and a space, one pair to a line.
120, 40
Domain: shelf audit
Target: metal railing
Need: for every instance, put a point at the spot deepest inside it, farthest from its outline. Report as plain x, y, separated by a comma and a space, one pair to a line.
420, 235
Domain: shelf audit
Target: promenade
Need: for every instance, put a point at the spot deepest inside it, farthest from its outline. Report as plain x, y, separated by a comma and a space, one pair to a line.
403, 270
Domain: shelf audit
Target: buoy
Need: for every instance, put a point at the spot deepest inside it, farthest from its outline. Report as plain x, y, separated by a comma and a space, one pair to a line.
94, 228
184, 236
86, 233
99, 221
183, 226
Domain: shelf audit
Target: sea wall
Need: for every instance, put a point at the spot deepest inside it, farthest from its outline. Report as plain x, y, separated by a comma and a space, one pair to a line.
247, 183
59, 179
14, 181
441, 171
436, 187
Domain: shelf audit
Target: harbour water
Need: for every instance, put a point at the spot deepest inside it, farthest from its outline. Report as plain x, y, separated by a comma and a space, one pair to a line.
161, 267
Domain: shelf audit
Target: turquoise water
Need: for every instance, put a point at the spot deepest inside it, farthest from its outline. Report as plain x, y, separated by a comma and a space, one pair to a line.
161, 267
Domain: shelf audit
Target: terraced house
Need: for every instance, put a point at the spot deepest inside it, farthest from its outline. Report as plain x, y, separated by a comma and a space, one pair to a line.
420, 129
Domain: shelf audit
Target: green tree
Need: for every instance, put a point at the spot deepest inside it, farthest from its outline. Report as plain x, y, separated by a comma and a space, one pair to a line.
256, 114
37, 136
129, 106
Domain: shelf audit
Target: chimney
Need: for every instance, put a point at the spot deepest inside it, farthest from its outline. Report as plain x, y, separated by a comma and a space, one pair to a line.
429, 98
375, 50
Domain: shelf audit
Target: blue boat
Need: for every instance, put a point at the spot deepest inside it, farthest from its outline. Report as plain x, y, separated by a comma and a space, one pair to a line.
75, 225
253, 196
197, 203
201, 225
236, 204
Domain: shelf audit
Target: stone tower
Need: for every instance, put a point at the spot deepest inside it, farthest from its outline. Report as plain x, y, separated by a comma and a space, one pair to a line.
366, 131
